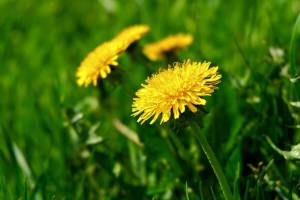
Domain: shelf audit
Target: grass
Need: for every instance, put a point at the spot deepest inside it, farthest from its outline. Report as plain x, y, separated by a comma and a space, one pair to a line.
57, 141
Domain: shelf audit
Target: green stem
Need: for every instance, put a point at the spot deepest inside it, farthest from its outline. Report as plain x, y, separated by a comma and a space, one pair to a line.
212, 160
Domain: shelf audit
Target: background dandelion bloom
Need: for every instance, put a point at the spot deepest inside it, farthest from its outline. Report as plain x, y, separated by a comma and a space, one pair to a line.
132, 33
98, 63
155, 51
172, 89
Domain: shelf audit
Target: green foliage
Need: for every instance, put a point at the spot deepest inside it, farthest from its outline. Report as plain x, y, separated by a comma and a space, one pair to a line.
60, 141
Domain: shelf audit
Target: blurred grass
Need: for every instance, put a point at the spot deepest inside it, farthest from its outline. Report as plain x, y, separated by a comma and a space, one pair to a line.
45, 117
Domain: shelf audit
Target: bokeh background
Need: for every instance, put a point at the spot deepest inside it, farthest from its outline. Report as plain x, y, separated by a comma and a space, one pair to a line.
61, 141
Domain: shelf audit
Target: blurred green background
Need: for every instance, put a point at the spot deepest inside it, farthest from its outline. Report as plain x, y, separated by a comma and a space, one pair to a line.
61, 141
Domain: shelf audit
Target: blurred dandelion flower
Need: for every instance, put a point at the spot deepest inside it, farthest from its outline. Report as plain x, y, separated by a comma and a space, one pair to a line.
155, 51
132, 33
172, 89
99, 62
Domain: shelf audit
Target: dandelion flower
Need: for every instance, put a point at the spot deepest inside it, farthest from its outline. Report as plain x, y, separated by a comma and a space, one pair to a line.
171, 90
132, 33
99, 62
155, 51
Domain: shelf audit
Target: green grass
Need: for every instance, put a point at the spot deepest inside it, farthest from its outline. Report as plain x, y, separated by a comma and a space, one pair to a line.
58, 141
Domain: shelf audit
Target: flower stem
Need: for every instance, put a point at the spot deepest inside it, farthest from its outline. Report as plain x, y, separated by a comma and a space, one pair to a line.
212, 160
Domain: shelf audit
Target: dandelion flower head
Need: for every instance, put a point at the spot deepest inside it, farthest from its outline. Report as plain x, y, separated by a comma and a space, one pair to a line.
98, 63
173, 89
155, 51
132, 33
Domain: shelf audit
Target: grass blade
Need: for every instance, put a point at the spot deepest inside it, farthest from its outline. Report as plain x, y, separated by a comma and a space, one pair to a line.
296, 28
186, 191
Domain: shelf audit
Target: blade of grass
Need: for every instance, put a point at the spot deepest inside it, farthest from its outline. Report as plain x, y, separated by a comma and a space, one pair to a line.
186, 191
258, 190
128, 133
236, 194
213, 193
292, 49
212, 160
201, 190
25, 189
22, 163
246, 190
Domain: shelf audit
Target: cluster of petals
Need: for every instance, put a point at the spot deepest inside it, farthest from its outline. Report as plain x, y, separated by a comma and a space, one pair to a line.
173, 89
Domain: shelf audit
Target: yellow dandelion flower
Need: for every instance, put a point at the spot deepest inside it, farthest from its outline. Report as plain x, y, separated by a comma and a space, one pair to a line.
98, 62
155, 51
132, 33
172, 89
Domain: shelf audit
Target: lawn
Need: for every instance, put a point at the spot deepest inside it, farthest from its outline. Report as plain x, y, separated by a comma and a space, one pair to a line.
62, 141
